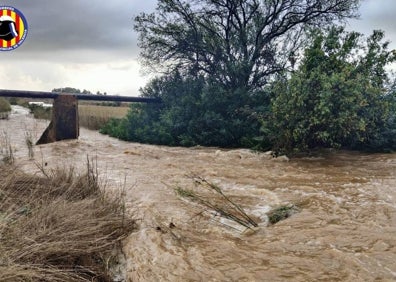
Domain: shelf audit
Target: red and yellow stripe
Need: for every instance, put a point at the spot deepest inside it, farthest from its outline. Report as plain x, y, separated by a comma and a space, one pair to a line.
20, 27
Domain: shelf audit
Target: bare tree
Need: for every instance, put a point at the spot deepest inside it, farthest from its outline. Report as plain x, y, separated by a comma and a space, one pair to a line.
238, 43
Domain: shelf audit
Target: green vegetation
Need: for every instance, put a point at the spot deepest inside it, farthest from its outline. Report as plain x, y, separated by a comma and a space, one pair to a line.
40, 112
235, 44
14, 100
5, 108
75, 91
340, 96
190, 114
4, 105
260, 74
281, 213
58, 227
23, 102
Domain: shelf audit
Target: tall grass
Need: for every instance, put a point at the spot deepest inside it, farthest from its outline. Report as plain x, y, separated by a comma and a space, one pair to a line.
95, 117
6, 150
29, 144
90, 116
58, 227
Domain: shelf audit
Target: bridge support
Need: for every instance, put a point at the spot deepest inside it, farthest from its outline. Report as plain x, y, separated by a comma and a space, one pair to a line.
64, 122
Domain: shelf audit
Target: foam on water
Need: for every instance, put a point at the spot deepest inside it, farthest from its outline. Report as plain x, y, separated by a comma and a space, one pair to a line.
345, 230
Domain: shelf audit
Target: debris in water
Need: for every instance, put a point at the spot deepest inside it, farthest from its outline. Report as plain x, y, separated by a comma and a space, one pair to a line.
281, 213
218, 202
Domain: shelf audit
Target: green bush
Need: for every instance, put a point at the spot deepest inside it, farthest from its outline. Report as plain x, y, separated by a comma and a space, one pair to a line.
40, 112
339, 97
4, 105
13, 100
336, 98
193, 112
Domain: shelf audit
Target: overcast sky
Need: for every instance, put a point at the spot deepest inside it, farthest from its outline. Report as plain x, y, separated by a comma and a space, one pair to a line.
91, 44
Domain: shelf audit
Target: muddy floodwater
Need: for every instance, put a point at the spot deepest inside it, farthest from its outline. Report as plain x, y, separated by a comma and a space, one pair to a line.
345, 229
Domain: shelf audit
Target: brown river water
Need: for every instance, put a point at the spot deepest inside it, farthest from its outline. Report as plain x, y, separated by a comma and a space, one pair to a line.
345, 229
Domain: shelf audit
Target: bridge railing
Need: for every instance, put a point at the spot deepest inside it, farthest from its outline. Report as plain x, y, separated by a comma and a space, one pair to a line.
64, 122
79, 96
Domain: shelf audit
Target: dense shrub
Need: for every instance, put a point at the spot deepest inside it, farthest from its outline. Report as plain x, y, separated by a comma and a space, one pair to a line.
40, 112
5, 108
337, 98
194, 112
4, 105
340, 96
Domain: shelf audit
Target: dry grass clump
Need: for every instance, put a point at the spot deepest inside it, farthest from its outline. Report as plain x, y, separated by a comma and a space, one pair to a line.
58, 227
217, 202
95, 117
6, 150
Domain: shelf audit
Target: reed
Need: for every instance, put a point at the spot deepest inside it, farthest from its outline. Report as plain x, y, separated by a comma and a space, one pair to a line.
29, 144
216, 201
95, 117
58, 227
6, 150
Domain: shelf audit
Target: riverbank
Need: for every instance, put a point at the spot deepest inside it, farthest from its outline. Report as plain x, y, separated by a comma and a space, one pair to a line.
344, 230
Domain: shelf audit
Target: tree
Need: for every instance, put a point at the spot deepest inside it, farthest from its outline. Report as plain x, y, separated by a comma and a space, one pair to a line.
338, 97
75, 90
66, 90
237, 43
190, 114
85, 91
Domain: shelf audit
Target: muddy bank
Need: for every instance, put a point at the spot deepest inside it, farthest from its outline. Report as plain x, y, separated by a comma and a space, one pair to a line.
345, 230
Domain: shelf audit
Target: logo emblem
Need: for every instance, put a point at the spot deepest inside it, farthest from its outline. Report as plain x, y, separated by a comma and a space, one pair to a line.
13, 28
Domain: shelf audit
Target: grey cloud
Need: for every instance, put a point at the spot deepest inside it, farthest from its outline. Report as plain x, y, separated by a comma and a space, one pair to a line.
92, 31
377, 14
56, 26
64, 26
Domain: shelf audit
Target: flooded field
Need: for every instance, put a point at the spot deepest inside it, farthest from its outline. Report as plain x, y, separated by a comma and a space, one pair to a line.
345, 229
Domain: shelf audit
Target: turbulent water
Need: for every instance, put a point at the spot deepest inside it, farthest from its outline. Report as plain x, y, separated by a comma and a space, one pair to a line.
345, 229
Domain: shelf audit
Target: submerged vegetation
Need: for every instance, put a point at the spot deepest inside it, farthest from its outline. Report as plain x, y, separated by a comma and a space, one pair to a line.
281, 213
216, 201
59, 226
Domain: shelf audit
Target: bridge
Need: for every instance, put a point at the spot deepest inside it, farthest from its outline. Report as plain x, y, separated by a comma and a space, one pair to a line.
64, 122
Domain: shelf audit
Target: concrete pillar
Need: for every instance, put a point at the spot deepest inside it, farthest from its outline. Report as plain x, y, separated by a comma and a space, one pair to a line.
64, 122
